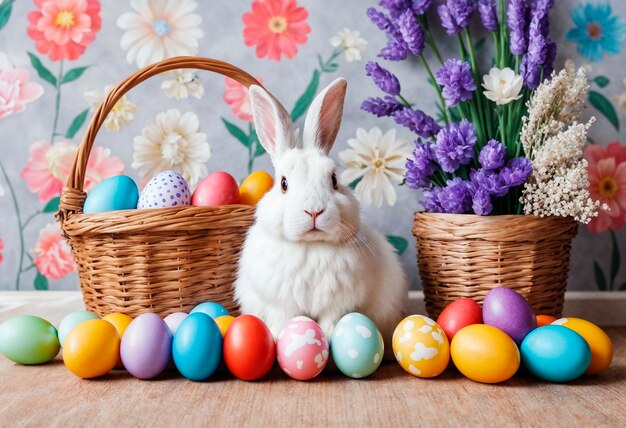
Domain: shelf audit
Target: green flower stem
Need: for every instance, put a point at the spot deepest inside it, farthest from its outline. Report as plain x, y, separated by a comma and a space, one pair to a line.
32, 216
437, 88
20, 226
484, 114
430, 41
57, 103
404, 101
251, 149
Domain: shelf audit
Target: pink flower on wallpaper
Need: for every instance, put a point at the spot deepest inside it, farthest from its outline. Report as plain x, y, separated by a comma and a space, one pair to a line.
62, 29
53, 256
48, 167
275, 27
607, 183
1, 249
236, 96
16, 91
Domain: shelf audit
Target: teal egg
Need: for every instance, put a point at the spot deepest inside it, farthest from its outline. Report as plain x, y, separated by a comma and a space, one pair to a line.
555, 353
356, 345
28, 340
115, 193
71, 320
212, 309
197, 346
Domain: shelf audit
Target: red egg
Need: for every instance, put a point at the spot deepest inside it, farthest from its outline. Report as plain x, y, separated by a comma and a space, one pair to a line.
219, 188
459, 314
249, 348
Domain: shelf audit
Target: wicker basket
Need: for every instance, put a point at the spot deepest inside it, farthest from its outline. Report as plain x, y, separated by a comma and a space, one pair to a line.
467, 255
153, 260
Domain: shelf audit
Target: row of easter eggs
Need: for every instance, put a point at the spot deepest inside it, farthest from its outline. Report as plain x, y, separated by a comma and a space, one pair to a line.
169, 189
485, 344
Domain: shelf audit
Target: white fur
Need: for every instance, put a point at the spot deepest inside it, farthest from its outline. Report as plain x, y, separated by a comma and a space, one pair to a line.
288, 270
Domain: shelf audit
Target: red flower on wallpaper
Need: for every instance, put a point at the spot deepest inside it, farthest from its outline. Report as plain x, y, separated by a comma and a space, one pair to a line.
275, 27
607, 184
62, 29
236, 96
53, 256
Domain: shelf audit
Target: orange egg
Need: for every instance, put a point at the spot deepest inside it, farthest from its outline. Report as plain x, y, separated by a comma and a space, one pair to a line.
91, 349
599, 342
545, 320
120, 322
254, 187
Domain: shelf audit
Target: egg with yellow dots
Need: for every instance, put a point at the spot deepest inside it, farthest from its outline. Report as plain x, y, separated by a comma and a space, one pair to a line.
421, 347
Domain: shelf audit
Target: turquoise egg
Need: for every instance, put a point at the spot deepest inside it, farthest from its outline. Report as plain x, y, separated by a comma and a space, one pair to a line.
357, 346
212, 309
115, 193
28, 339
555, 353
71, 320
197, 346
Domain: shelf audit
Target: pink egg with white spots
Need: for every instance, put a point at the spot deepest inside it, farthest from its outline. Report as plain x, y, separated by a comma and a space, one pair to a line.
166, 189
302, 348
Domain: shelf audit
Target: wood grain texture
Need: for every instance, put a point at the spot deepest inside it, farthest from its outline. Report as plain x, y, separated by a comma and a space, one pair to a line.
50, 395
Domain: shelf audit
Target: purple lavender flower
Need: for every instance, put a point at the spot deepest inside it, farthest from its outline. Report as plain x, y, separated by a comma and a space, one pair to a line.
457, 81
431, 200
481, 201
488, 14
417, 121
396, 50
489, 181
455, 198
492, 155
411, 32
539, 59
419, 169
455, 145
395, 7
381, 106
516, 172
540, 9
381, 20
517, 21
455, 15
384, 79
419, 7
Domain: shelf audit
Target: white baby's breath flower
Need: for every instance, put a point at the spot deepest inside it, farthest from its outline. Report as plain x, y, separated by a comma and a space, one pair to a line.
172, 141
502, 85
122, 113
378, 160
182, 84
351, 42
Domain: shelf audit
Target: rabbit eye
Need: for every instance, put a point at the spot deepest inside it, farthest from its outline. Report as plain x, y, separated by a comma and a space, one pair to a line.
334, 179
283, 184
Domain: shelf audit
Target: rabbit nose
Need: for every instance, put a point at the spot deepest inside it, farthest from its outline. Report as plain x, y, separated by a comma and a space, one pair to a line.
314, 214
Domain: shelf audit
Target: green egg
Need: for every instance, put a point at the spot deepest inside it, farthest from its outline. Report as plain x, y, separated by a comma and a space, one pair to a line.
28, 340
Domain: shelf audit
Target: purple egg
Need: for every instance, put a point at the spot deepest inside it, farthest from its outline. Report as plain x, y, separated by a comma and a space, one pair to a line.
146, 346
503, 308
174, 320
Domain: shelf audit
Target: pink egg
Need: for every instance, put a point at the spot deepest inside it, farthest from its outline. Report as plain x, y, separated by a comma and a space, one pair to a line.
219, 188
302, 348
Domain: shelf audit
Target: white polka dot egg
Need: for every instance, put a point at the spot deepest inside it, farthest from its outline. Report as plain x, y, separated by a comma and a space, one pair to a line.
302, 348
166, 189
357, 346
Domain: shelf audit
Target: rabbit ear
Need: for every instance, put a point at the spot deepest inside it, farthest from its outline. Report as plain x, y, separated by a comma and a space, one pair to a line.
272, 122
324, 117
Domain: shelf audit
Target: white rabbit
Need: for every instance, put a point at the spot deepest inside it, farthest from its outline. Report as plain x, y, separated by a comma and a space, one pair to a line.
308, 253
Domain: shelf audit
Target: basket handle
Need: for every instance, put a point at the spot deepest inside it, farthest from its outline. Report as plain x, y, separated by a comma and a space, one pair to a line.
73, 196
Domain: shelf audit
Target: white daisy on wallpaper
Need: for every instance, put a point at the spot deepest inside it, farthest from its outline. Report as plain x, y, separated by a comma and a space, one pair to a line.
351, 42
160, 29
172, 141
122, 113
183, 83
378, 160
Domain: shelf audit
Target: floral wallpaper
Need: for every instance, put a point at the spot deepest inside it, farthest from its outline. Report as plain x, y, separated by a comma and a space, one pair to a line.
59, 59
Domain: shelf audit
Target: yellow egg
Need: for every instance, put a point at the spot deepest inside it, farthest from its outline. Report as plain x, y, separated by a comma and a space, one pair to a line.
120, 322
484, 353
420, 346
254, 187
599, 342
91, 349
223, 323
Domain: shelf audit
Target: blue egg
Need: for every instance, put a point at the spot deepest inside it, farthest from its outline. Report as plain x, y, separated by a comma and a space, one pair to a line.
212, 309
197, 347
115, 193
555, 353
357, 346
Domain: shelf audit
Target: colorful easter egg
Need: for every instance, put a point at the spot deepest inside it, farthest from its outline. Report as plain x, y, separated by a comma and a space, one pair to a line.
146, 347
212, 309
254, 187
484, 353
302, 349
121, 323
91, 349
357, 346
599, 342
219, 188
223, 322
166, 189
27, 339
544, 320
458, 314
249, 348
197, 347
555, 353
115, 193
71, 320
506, 310
174, 320
421, 346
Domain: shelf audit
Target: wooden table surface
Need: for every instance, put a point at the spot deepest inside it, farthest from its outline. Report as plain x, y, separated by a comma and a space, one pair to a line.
49, 395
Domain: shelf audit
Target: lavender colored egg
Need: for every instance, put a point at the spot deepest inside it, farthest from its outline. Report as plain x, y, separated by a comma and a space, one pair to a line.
174, 320
503, 308
146, 346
